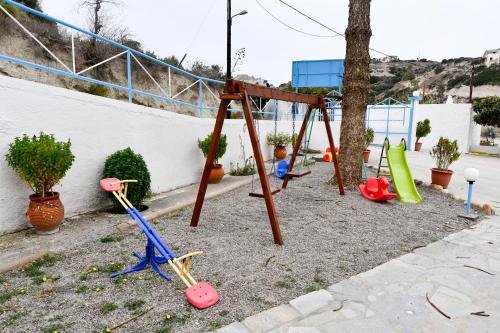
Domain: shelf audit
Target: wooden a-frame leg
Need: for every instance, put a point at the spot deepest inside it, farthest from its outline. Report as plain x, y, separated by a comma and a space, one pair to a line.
296, 148
261, 168
326, 119
221, 115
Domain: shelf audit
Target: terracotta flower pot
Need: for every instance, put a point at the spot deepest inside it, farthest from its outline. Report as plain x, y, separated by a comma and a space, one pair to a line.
216, 174
280, 153
441, 176
418, 146
366, 155
45, 214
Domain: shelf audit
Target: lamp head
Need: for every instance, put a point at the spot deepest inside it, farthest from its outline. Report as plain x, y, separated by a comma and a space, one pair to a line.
471, 174
243, 12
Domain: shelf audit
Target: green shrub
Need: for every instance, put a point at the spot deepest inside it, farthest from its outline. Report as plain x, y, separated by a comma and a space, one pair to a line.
10, 9
423, 129
457, 81
369, 137
98, 90
204, 146
35, 4
40, 161
246, 170
125, 164
279, 140
487, 111
445, 153
485, 76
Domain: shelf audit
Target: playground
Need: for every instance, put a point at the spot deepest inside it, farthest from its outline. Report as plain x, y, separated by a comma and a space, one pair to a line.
332, 214
328, 239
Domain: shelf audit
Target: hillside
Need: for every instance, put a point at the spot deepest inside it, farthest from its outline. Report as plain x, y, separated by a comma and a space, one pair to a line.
436, 80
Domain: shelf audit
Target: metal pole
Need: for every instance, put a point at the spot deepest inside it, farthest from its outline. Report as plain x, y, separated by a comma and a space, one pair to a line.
410, 123
73, 52
228, 51
129, 76
469, 195
201, 100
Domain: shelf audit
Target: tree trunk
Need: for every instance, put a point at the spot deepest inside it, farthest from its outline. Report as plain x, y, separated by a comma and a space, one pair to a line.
355, 92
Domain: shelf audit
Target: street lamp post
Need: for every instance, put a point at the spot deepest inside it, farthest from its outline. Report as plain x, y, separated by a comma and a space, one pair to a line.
470, 175
228, 49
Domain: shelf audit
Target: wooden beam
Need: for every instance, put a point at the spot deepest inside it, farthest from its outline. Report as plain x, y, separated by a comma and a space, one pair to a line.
221, 115
326, 120
273, 93
261, 168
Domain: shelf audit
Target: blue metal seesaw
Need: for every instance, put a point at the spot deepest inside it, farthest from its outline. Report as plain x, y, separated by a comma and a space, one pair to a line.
201, 295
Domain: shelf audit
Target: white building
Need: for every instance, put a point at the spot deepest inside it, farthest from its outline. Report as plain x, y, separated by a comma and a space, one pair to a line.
389, 59
492, 57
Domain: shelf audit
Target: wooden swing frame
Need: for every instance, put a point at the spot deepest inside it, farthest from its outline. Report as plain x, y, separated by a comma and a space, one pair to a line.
240, 91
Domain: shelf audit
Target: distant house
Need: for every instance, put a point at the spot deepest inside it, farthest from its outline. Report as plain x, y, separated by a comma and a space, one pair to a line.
491, 57
389, 59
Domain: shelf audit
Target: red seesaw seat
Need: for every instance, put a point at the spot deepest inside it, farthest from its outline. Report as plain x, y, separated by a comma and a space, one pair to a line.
375, 189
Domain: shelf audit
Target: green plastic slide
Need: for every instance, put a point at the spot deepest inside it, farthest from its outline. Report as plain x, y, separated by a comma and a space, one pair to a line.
401, 174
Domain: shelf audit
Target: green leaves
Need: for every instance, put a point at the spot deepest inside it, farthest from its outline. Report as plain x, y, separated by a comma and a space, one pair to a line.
279, 140
423, 128
487, 111
204, 146
445, 152
125, 164
369, 137
41, 162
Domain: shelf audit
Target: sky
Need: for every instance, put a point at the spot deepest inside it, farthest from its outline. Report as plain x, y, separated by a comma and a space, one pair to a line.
409, 29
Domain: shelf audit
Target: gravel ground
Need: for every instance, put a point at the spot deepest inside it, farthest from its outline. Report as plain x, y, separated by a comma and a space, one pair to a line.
327, 238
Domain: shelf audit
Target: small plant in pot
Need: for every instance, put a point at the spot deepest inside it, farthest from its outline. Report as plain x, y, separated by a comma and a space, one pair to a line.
423, 129
279, 141
42, 162
217, 171
369, 137
444, 153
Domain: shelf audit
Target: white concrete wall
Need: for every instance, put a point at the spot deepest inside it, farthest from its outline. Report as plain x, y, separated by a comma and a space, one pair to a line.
98, 127
454, 121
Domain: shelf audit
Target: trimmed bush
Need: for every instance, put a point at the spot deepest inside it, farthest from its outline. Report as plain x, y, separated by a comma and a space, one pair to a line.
487, 111
40, 161
423, 129
126, 164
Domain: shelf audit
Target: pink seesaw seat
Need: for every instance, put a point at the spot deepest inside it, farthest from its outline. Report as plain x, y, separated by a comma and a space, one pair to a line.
108, 186
201, 295
375, 189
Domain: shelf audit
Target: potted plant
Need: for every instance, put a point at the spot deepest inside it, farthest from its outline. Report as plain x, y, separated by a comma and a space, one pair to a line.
423, 129
41, 162
369, 137
279, 141
217, 171
444, 153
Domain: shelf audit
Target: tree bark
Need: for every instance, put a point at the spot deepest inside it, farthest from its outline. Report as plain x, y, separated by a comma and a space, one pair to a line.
355, 92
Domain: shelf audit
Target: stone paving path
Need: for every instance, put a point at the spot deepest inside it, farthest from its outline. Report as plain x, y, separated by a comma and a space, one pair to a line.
460, 274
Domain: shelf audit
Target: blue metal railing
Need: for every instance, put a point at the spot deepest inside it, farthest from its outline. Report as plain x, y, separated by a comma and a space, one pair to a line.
129, 52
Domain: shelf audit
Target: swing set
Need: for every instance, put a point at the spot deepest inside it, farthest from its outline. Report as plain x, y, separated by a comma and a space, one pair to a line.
235, 90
